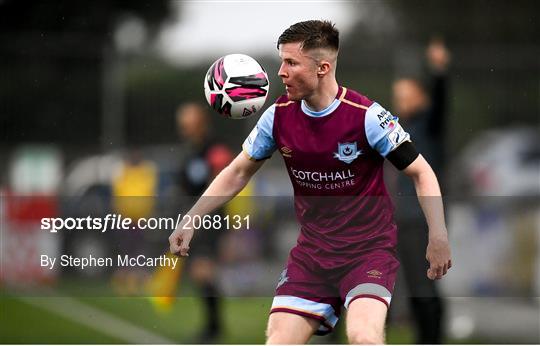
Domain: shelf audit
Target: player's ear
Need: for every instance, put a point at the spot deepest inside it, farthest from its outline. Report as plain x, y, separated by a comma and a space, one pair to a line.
323, 68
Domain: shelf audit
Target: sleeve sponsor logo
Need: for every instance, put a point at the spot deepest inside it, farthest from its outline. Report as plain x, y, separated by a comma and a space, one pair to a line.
397, 136
386, 119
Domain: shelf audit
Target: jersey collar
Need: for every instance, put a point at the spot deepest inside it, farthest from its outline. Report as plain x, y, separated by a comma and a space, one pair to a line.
332, 107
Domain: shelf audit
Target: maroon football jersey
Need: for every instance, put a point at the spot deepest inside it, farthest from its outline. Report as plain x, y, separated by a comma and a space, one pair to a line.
335, 163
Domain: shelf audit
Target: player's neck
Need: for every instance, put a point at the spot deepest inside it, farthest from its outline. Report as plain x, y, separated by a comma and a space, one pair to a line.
322, 98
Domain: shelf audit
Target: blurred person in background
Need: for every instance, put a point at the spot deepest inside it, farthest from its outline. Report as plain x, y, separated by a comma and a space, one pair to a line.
422, 113
204, 159
134, 189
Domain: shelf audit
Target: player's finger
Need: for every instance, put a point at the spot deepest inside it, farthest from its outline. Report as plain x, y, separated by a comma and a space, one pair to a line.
430, 274
172, 249
176, 249
184, 247
433, 274
433, 271
439, 271
184, 251
449, 263
174, 246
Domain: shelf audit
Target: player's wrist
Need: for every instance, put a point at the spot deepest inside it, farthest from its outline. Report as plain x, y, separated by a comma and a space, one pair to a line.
438, 233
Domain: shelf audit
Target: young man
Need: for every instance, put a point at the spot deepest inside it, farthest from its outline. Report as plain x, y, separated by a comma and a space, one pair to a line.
333, 141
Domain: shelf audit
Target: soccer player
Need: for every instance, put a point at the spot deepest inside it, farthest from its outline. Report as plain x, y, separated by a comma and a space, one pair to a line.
334, 142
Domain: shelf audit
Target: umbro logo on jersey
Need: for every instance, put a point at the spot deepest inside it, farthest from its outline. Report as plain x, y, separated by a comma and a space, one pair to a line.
347, 152
287, 152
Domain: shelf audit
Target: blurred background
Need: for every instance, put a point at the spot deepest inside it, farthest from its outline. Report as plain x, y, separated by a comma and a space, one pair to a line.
91, 123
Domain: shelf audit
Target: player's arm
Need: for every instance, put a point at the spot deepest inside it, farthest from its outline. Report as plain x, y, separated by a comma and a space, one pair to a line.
429, 197
227, 184
388, 138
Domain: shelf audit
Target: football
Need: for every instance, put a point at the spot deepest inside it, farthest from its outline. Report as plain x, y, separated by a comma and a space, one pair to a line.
236, 86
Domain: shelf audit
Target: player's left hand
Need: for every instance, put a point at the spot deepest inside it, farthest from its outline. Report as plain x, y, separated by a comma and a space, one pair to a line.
438, 256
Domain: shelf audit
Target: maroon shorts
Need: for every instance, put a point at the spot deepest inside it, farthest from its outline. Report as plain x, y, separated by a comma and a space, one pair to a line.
306, 289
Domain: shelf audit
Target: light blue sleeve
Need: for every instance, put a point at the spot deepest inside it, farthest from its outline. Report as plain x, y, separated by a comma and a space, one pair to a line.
383, 131
260, 143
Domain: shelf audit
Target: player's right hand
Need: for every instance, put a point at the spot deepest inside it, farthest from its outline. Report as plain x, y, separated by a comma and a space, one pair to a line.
438, 255
179, 240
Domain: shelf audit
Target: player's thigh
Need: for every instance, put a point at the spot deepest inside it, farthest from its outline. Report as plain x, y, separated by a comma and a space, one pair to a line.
287, 328
365, 321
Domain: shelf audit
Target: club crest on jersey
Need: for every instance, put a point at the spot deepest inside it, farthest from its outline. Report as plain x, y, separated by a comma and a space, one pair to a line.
347, 152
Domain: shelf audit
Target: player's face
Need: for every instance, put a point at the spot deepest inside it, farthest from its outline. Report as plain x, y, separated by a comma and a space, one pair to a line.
298, 71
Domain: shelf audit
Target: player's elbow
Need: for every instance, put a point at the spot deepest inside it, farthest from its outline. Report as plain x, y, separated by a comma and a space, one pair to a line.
236, 178
418, 169
425, 180
241, 169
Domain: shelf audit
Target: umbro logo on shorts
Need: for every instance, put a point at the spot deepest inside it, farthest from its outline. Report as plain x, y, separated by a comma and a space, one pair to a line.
374, 274
283, 278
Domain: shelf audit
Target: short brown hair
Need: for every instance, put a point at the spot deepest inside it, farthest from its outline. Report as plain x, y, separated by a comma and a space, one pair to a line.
312, 34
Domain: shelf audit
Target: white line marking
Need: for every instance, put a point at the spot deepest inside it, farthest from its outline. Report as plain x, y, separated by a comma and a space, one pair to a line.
94, 318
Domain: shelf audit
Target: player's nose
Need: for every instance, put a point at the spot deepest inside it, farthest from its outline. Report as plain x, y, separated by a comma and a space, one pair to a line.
282, 71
